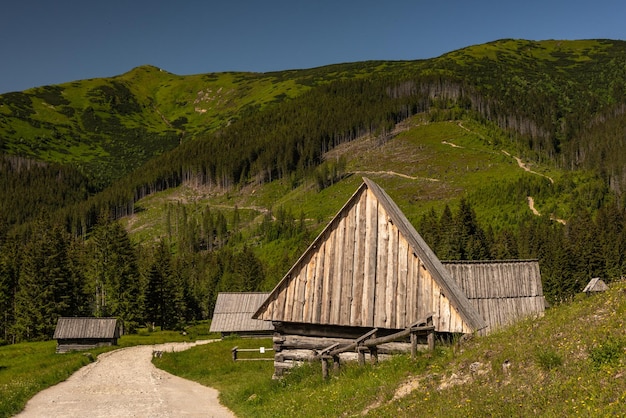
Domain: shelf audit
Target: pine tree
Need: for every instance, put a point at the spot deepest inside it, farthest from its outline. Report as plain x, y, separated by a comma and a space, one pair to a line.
10, 262
165, 294
116, 284
248, 271
43, 284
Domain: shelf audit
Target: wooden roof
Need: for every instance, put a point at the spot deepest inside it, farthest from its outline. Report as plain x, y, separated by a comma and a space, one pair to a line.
233, 312
595, 285
502, 291
370, 268
87, 328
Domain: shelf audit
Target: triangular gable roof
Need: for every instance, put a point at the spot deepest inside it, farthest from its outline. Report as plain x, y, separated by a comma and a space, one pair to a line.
416, 244
85, 327
595, 285
233, 312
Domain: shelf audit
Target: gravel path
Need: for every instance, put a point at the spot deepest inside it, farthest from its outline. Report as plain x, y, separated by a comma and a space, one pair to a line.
125, 383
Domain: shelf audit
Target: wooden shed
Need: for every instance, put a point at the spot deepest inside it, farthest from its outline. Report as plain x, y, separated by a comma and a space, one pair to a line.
368, 269
233, 314
595, 285
85, 333
502, 291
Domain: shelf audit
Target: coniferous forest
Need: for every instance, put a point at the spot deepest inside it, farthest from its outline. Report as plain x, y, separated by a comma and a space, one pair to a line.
79, 161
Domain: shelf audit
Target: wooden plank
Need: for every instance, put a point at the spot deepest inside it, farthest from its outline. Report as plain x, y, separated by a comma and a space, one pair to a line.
391, 290
435, 289
380, 318
444, 313
359, 262
412, 285
403, 272
371, 248
307, 297
300, 300
328, 274
337, 278
348, 266
280, 304
318, 287
289, 297
425, 304
456, 324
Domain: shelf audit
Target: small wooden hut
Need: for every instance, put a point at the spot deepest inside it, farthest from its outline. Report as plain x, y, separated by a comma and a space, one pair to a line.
595, 285
502, 291
368, 270
233, 314
85, 333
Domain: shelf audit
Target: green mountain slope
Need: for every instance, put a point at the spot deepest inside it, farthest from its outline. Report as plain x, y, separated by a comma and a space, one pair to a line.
512, 149
545, 93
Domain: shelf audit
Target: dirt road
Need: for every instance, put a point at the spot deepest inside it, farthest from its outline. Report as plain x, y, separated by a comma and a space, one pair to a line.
125, 383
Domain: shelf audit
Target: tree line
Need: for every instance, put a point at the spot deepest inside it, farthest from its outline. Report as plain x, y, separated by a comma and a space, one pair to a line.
569, 255
49, 272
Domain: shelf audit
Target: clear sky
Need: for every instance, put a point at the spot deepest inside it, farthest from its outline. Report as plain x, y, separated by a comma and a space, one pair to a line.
55, 41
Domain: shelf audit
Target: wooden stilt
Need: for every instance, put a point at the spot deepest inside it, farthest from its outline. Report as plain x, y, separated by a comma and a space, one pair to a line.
374, 355
336, 364
324, 368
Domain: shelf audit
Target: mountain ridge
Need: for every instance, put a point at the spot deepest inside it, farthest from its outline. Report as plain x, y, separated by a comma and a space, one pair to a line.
225, 177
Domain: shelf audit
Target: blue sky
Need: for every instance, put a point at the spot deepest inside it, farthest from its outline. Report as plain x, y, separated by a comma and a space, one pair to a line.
50, 42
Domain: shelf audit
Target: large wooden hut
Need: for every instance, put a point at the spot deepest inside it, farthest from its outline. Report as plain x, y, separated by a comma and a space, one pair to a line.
502, 291
85, 333
233, 314
368, 269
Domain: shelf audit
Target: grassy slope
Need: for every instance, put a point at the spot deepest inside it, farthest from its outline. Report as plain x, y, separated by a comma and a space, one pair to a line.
427, 165
148, 110
156, 108
571, 362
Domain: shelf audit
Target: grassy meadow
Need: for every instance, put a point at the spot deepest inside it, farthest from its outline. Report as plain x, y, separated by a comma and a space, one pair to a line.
570, 362
28, 368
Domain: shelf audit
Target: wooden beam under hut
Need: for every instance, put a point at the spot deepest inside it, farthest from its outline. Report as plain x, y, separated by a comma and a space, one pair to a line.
370, 342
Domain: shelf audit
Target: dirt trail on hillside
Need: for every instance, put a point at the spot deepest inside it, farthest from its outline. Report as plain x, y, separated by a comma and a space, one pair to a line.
125, 383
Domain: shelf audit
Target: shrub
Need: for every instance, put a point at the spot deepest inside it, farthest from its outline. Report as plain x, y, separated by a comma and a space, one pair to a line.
548, 359
606, 353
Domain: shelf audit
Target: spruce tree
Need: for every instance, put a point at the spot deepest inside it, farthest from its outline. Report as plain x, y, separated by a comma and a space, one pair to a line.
164, 293
116, 284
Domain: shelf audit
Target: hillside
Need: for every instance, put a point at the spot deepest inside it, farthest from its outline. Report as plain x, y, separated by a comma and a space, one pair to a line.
553, 99
511, 149
570, 362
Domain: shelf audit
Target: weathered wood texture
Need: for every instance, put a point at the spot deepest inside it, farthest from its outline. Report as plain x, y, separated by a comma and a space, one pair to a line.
595, 285
85, 333
501, 291
233, 314
370, 268
77, 328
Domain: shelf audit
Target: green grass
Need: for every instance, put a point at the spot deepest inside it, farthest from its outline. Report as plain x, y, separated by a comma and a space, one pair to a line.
28, 368
570, 362
247, 387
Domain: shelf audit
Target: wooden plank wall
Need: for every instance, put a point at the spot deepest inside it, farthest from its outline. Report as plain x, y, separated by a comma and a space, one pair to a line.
501, 291
363, 273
